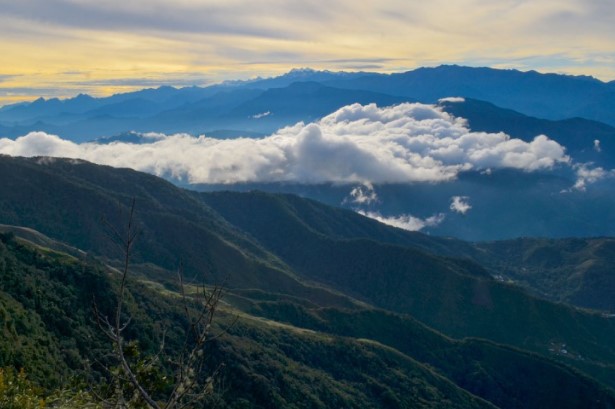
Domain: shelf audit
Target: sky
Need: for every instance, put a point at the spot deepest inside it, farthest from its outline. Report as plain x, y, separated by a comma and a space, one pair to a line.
59, 48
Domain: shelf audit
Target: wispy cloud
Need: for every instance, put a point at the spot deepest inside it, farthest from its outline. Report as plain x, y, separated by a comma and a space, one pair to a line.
4, 77
453, 100
27, 91
406, 143
362, 195
261, 115
151, 80
586, 175
406, 221
460, 204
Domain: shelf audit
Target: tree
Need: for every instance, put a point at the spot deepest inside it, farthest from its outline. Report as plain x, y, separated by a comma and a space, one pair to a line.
188, 384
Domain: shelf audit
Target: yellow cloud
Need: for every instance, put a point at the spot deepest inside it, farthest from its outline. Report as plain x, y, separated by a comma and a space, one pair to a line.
60, 47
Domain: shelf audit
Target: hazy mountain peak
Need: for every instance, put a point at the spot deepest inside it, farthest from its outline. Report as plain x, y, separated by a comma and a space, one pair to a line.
532, 73
304, 70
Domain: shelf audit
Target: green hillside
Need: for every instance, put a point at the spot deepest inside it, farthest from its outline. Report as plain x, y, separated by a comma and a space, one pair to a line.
577, 271
74, 202
367, 358
454, 296
484, 368
256, 208
48, 329
331, 309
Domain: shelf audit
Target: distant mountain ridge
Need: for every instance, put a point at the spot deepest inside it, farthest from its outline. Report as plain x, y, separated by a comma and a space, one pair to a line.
551, 96
546, 204
578, 135
168, 109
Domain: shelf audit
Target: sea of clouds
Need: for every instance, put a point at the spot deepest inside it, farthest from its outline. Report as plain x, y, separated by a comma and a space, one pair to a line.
362, 145
356, 144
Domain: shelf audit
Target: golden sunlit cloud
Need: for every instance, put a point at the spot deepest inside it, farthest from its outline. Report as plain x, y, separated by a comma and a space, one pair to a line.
64, 47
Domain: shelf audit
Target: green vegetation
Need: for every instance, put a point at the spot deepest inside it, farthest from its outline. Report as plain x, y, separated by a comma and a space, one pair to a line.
494, 372
16, 392
325, 309
454, 296
250, 351
577, 271
351, 358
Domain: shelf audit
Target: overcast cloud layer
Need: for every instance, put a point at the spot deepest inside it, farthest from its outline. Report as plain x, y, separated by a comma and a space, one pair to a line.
356, 144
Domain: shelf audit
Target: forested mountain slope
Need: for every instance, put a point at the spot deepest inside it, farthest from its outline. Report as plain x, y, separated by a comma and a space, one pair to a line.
334, 309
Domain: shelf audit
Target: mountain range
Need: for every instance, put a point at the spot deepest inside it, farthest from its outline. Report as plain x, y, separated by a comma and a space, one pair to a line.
324, 307
256, 105
572, 199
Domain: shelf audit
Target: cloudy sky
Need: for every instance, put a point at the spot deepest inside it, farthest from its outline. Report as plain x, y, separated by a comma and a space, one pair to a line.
63, 47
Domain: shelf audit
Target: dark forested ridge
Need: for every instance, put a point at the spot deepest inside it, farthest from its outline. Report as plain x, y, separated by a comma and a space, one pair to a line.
45, 309
576, 270
332, 309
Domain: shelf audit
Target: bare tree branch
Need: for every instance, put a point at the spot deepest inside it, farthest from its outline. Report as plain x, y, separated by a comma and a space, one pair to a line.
189, 362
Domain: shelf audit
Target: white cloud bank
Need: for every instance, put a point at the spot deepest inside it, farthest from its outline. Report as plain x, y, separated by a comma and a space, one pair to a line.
356, 144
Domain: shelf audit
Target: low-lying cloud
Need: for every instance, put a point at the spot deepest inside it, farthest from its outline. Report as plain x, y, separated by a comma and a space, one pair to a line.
460, 204
362, 195
356, 144
261, 115
453, 100
586, 175
406, 221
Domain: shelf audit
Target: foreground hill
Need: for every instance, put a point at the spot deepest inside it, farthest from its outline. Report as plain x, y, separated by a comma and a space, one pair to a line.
74, 201
267, 364
53, 334
293, 265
